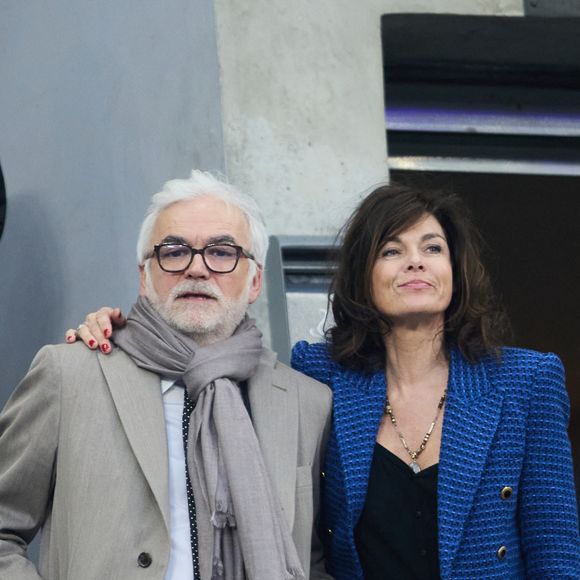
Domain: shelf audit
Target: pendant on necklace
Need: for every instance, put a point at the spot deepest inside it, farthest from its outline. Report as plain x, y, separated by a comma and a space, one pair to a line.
414, 466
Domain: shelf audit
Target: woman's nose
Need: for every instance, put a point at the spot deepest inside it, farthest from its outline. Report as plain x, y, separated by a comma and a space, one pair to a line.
415, 264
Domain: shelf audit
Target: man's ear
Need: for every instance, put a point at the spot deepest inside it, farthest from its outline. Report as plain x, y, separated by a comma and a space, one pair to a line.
142, 278
256, 285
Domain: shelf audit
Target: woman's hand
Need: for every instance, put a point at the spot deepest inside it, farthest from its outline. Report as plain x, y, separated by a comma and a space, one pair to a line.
98, 328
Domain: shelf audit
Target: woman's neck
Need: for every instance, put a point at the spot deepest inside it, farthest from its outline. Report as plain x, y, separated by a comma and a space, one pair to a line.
415, 358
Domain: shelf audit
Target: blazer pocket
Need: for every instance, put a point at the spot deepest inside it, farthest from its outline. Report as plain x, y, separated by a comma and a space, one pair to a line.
304, 476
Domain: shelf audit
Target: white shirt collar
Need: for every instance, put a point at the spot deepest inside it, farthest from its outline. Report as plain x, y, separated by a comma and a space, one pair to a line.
166, 384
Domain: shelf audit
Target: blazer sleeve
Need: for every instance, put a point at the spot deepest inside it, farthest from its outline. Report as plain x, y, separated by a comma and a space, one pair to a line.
29, 427
548, 512
313, 360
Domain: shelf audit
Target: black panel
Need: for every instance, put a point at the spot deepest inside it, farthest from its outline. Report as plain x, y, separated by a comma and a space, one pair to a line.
552, 8
481, 146
482, 87
2, 202
490, 50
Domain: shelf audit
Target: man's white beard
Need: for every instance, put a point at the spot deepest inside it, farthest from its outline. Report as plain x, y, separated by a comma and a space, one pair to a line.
208, 322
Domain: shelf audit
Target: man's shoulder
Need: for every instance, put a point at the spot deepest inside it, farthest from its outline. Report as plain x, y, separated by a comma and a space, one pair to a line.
66, 353
77, 360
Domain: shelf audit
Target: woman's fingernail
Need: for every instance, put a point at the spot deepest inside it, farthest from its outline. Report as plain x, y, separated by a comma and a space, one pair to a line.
92, 343
69, 338
105, 347
107, 333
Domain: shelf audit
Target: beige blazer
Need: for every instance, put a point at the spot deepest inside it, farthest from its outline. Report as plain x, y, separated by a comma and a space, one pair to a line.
83, 453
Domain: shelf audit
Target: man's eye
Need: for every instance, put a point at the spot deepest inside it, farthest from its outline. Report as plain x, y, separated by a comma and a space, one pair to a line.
174, 252
221, 252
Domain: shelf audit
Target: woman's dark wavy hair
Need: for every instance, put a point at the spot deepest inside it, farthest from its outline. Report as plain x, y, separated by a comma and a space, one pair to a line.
474, 322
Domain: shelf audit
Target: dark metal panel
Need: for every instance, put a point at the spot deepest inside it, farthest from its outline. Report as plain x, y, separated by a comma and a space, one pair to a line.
552, 7
482, 50
2, 202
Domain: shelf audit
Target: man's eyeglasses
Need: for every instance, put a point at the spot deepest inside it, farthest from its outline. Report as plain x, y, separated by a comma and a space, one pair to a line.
218, 258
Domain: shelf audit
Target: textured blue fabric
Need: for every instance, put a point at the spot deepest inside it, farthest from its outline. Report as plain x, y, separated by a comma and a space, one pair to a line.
504, 425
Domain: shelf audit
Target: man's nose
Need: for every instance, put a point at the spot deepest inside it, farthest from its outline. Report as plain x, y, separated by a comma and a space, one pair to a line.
197, 269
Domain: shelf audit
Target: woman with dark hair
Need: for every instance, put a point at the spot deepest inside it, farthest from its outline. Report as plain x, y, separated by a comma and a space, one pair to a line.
448, 455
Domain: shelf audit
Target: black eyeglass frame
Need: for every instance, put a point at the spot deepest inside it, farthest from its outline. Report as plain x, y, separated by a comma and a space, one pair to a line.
194, 251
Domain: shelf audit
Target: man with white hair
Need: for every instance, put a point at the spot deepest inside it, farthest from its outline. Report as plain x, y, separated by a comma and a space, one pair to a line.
189, 451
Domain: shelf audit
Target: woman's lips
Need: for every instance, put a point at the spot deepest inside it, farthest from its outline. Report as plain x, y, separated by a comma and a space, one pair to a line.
416, 284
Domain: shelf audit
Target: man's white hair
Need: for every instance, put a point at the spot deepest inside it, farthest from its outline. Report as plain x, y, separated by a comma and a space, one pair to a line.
204, 184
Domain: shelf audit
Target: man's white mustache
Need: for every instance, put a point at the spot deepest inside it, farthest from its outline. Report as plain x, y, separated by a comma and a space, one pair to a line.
196, 288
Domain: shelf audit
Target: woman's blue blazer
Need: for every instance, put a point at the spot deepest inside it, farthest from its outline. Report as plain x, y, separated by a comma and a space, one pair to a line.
504, 425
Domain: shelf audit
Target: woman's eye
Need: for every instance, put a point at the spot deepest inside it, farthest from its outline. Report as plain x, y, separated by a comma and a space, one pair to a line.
390, 252
434, 249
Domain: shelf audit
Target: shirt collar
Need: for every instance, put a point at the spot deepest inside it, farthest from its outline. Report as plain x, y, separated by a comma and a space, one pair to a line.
166, 384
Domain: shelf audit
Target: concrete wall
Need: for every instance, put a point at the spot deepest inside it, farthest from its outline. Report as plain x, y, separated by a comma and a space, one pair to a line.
303, 103
303, 108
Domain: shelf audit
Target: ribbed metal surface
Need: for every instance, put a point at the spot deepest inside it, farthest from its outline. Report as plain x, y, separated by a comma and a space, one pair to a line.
298, 273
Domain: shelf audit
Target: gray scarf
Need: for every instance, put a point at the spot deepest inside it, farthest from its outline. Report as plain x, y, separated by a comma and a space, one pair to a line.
239, 518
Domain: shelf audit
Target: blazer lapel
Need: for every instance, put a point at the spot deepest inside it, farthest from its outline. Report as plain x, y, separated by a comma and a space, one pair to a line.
274, 408
138, 399
472, 412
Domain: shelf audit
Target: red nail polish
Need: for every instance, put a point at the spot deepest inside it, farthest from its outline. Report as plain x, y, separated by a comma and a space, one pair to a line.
69, 338
105, 347
107, 333
91, 343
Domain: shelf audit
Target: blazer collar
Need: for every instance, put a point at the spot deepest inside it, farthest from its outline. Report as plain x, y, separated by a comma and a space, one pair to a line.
274, 405
472, 412
137, 397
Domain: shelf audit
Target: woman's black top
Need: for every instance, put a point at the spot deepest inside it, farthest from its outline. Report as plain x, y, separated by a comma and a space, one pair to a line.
396, 535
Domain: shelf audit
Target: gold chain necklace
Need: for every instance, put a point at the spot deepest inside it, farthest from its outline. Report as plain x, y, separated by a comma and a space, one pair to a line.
414, 454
